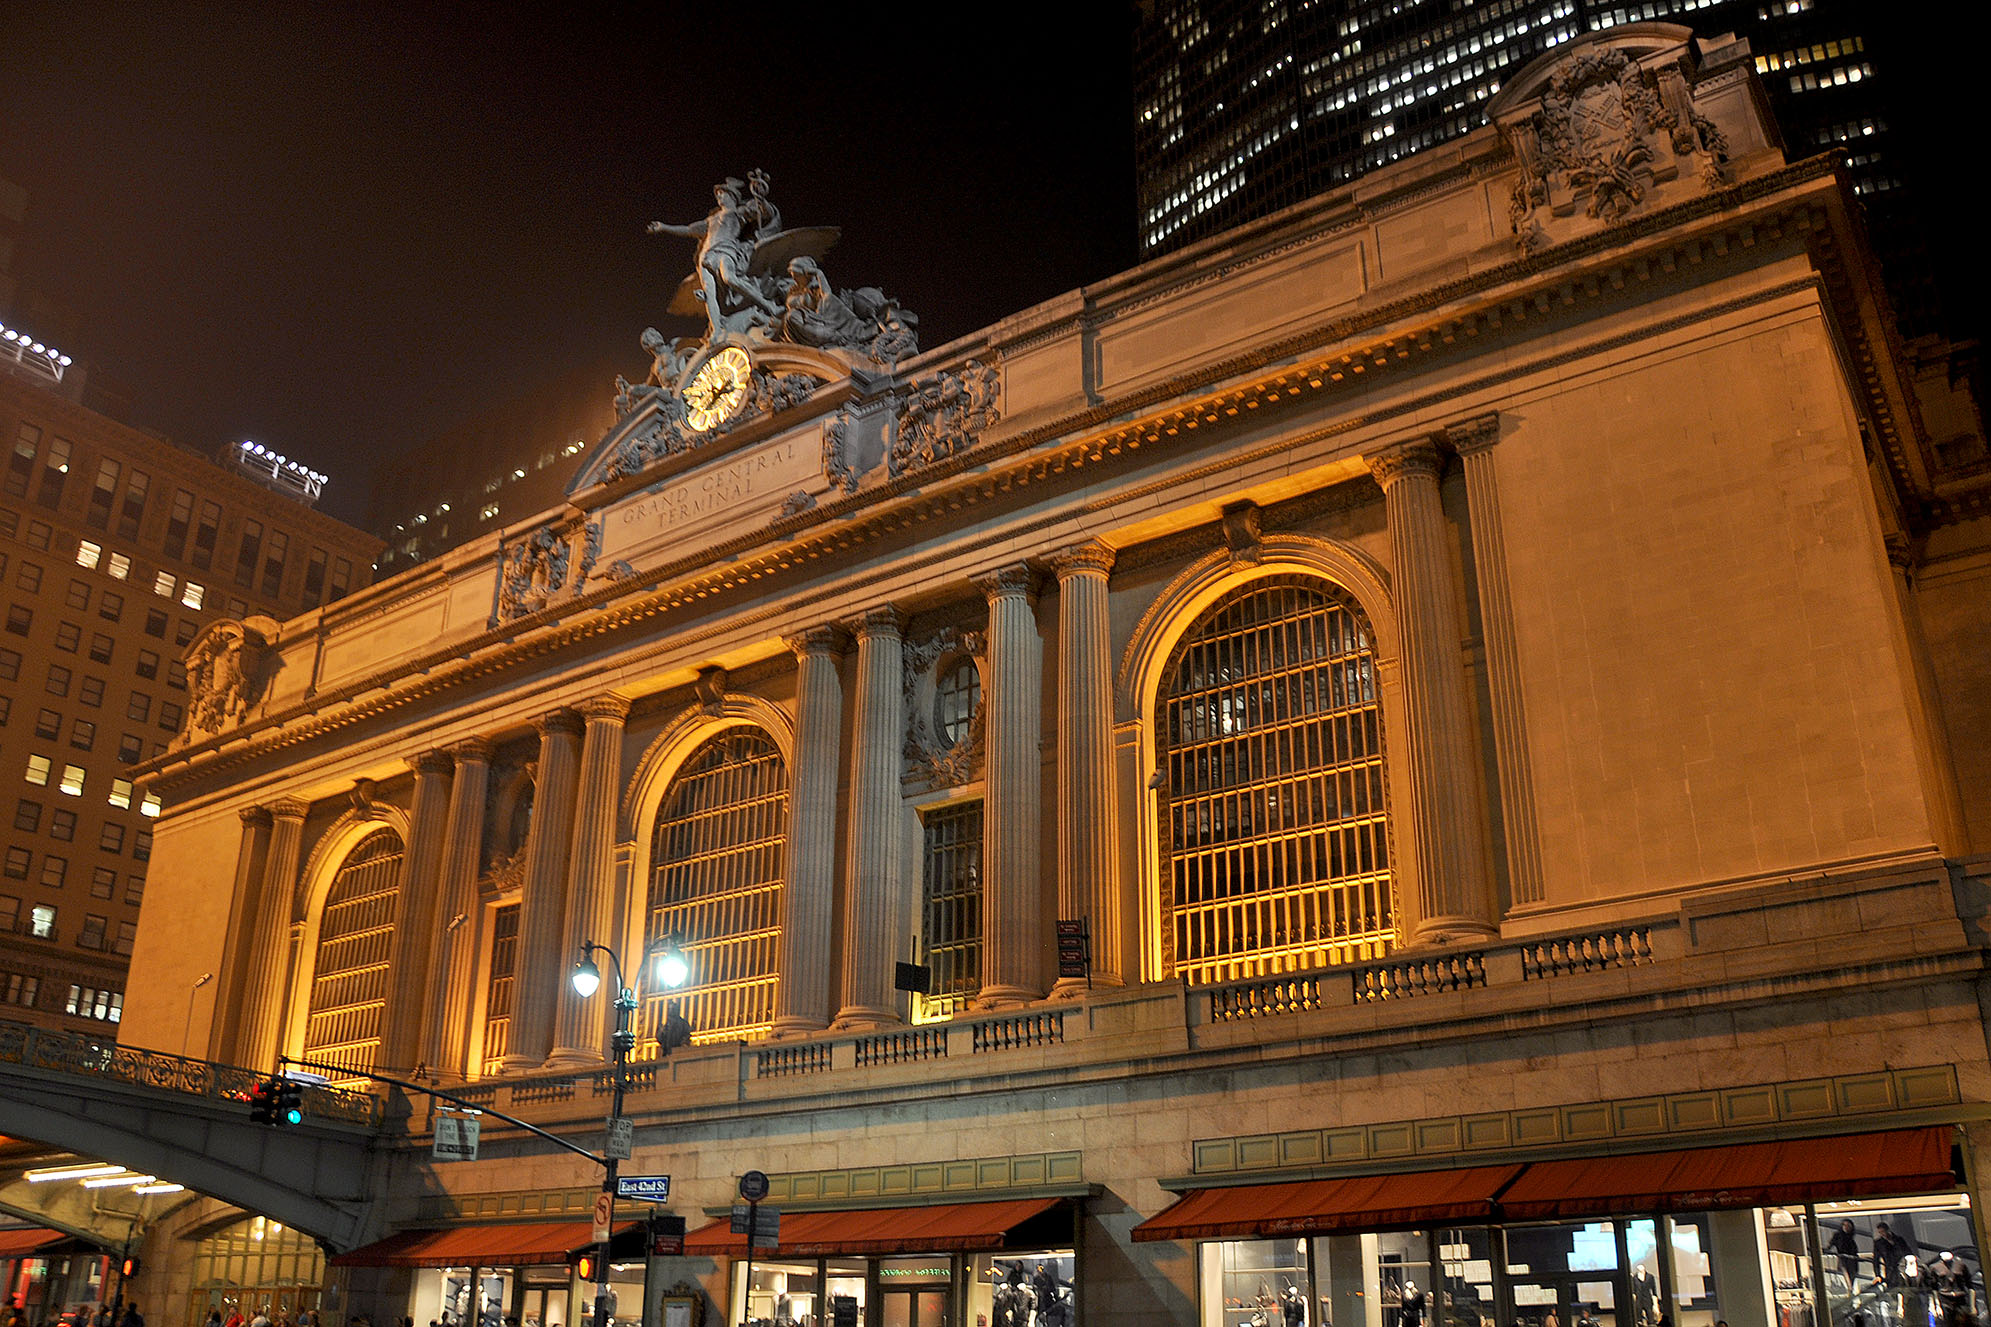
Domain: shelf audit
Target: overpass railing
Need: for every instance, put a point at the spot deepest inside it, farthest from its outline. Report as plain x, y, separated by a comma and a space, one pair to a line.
68, 1053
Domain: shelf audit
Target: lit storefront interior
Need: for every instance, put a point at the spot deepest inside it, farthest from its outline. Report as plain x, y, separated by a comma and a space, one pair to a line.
44, 1271
517, 1275
1743, 1235
256, 1266
932, 1266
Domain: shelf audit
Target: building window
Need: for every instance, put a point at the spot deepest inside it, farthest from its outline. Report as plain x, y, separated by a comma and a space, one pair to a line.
100, 648
10, 665
134, 894
20, 618
148, 663
54, 872
155, 622
183, 633
1274, 815
127, 936
88, 555
17, 864
21, 464
39, 768
314, 578
163, 584
103, 882
39, 535
169, 716
355, 935
246, 554
111, 839
130, 748
92, 1002
68, 636
91, 936
206, 533
139, 707
99, 513
285, 1266
92, 691
342, 579
54, 473
141, 846
273, 560
177, 522
6, 710
20, 990
176, 675
72, 780
62, 826
58, 680
716, 885
119, 567
78, 597
27, 815
955, 697
192, 595
951, 904
28, 577
132, 513
500, 987
83, 734
111, 606
121, 788
41, 921
149, 805
48, 724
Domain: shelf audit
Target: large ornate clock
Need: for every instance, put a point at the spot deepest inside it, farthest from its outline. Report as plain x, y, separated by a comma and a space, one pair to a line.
719, 388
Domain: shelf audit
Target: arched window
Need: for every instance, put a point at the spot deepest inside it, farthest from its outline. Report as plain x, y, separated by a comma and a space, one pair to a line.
715, 884
355, 935
1274, 815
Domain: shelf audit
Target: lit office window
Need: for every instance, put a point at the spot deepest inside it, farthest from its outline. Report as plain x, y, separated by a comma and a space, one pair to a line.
192, 595
120, 566
88, 554
38, 771
72, 780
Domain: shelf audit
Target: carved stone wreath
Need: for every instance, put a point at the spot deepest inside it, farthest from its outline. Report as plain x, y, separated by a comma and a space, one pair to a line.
930, 759
535, 569
943, 416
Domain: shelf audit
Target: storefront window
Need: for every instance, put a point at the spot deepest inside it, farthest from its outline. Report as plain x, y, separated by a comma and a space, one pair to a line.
1015, 1289
1898, 1263
1245, 1281
1643, 1290
1563, 1274
1466, 1291
913, 1292
1694, 1283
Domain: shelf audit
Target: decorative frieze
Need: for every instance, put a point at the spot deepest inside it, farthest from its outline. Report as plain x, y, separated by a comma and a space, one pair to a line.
944, 415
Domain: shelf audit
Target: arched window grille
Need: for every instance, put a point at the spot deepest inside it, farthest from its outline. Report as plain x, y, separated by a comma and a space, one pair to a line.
355, 936
716, 883
1275, 814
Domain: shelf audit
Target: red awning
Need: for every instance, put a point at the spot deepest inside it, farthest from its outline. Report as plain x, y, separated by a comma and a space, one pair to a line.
1747, 1175
23, 1242
943, 1227
1363, 1202
478, 1246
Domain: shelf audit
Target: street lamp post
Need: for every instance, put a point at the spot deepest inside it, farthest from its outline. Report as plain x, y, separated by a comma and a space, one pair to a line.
671, 972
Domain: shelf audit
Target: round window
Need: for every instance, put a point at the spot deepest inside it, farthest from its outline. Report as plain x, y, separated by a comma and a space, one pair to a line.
956, 693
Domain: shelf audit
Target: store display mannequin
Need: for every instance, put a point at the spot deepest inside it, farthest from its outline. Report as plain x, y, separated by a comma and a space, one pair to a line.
1951, 1278
1645, 1296
1846, 1250
1293, 1305
1413, 1306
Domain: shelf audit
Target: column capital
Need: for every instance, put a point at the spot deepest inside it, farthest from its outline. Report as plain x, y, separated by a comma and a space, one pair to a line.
880, 621
255, 816
1417, 456
825, 639
1473, 435
434, 762
1015, 581
1081, 558
607, 706
290, 808
559, 721
474, 749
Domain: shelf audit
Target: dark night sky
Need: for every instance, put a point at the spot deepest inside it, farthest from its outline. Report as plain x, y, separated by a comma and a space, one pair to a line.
335, 227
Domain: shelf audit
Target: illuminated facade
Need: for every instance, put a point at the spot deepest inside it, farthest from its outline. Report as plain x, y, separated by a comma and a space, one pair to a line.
1490, 685
116, 549
1243, 107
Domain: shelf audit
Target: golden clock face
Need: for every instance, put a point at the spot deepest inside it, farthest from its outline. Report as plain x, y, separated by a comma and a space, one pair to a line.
716, 393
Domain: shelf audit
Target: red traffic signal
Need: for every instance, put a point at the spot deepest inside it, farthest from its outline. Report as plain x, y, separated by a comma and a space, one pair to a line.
128, 1268
584, 1268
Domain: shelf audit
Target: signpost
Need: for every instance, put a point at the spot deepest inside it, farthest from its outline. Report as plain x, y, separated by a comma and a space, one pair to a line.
761, 1226
666, 1235
645, 1188
621, 1141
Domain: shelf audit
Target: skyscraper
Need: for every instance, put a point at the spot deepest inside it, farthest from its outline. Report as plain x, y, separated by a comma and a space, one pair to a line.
1243, 107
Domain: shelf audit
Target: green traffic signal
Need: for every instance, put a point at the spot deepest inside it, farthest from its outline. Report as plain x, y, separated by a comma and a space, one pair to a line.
290, 1102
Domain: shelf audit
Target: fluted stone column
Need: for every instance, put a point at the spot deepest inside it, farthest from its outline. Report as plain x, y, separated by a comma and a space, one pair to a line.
802, 1003
251, 860
265, 982
877, 918
1474, 442
543, 956
1088, 822
403, 1021
1455, 892
1012, 819
580, 1032
446, 1045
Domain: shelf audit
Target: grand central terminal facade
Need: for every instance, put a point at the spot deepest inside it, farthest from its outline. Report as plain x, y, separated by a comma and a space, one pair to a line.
1423, 755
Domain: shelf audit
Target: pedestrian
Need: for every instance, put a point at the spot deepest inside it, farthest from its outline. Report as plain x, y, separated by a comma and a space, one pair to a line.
234, 1316
132, 1317
262, 1318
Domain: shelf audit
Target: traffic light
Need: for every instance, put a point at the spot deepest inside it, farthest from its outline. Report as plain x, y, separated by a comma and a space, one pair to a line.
585, 1267
290, 1102
263, 1101
128, 1268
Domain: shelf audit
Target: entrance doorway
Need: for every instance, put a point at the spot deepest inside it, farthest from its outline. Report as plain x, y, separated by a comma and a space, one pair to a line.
915, 1308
